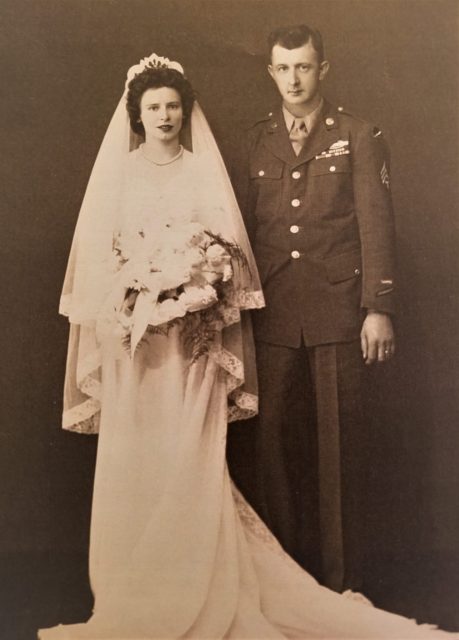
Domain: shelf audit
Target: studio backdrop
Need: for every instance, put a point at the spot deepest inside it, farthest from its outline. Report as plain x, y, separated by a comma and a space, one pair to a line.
63, 66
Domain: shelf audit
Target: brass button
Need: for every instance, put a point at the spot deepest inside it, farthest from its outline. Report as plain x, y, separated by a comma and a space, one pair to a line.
329, 122
261, 173
332, 168
357, 272
296, 175
295, 202
294, 228
340, 108
295, 255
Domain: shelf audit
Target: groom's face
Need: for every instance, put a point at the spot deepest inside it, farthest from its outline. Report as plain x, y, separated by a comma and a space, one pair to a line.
297, 74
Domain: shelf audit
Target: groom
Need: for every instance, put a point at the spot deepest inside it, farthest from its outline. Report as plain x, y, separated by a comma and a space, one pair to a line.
314, 190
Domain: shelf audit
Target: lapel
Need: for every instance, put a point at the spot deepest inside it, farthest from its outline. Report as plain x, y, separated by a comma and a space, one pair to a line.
277, 140
322, 136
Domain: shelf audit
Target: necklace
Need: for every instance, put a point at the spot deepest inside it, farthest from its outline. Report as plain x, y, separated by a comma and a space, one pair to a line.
160, 164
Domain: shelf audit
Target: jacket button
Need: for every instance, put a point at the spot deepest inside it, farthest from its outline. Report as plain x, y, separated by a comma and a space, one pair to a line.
294, 228
333, 168
295, 202
296, 175
295, 255
357, 272
329, 122
261, 173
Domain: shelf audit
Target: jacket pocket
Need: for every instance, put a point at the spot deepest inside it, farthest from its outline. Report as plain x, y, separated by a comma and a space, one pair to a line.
330, 166
343, 266
265, 169
266, 184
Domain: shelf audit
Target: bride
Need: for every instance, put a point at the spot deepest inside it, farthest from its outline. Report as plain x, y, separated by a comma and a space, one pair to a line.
157, 289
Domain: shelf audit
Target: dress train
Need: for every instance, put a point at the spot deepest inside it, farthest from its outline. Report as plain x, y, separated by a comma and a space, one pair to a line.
176, 552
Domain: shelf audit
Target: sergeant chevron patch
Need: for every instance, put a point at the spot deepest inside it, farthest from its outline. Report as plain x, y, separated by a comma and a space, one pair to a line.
384, 173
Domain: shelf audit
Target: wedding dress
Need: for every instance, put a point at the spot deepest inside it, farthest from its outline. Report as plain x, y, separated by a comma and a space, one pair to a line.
176, 552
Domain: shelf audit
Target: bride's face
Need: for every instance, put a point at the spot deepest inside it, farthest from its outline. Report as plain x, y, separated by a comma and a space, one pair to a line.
161, 113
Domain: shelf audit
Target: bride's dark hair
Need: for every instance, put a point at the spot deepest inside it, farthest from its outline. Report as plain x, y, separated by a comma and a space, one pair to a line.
154, 78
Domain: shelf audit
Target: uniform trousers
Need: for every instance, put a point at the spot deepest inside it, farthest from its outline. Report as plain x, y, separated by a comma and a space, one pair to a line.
309, 450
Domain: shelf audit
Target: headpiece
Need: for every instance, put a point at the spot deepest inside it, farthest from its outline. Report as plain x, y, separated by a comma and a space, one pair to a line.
152, 62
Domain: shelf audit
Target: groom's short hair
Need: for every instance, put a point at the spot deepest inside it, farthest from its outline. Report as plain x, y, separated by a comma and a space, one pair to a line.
295, 36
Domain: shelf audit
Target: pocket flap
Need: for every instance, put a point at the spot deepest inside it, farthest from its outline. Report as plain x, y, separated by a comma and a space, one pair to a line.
344, 266
266, 169
330, 166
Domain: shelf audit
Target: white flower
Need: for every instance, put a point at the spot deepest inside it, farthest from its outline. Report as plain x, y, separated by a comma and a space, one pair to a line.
211, 277
196, 298
134, 275
227, 272
181, 237
217, 256
175, 271
195, 257
196, 234
218, 262
165, 311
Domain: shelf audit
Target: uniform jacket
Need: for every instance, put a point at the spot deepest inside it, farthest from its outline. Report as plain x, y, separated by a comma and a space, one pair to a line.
321, 226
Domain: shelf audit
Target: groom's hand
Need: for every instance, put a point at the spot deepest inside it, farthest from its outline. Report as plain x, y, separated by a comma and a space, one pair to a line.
377, 337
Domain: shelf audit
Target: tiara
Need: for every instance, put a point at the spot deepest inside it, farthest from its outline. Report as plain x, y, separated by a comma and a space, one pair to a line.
152, 62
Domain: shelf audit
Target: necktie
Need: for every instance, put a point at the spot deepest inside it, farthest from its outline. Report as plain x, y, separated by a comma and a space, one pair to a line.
298, 134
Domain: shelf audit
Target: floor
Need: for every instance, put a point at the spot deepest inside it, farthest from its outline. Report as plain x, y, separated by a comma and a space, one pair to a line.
43, 590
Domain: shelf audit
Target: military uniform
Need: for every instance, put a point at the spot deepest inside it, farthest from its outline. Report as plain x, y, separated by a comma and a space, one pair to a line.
322, 230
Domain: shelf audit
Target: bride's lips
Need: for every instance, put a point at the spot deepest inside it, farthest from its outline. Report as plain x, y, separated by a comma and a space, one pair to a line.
165, 127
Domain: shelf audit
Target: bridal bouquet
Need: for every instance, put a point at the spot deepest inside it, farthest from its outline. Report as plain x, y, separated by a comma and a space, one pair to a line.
179, 273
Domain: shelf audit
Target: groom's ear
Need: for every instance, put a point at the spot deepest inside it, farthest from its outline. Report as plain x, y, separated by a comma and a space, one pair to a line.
270, 70
323, 69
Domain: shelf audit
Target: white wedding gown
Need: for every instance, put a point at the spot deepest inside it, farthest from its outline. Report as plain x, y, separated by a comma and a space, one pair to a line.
175, 551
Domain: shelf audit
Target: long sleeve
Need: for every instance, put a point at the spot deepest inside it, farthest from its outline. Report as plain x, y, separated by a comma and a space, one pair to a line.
373, 206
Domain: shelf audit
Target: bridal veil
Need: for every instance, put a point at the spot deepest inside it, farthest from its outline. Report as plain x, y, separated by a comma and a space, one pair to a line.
90, 268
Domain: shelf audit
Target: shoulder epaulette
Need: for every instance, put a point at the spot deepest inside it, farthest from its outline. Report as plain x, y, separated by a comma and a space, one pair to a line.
377, 133
347, 112
265, 118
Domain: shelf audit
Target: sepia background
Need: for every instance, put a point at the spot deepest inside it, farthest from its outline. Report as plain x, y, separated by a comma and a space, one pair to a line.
63, 66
